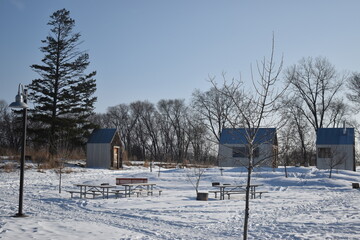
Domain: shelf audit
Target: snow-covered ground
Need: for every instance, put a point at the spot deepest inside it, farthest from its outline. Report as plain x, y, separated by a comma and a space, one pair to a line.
306, 205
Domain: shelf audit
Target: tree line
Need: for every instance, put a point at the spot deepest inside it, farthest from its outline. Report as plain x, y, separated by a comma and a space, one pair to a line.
313, 95
169, 131
297, 100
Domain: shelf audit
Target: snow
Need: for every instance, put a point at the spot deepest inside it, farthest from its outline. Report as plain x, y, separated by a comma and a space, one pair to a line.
306, 205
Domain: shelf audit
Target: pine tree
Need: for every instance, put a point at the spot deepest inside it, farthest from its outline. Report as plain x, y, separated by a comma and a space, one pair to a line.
63, 95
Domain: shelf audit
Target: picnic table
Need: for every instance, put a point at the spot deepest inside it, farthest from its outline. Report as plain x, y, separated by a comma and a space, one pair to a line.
236, 189
130, 186
138, 188
84, 189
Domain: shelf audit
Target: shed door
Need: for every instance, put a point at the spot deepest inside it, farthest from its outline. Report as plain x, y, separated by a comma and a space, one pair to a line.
115, 162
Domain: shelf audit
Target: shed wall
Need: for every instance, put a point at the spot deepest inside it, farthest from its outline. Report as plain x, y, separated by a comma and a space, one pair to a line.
342, 150
98, 155
226, 158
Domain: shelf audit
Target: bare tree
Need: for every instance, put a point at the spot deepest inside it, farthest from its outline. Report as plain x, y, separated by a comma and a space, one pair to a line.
100, 120
339, 112
118, 117
174, 112
299, 127
214, 109
148, 123
167, 138
198, 135
5, 125
353, 85
317, 83
140, 138
10, 128
287, 140
256, 109
194, 176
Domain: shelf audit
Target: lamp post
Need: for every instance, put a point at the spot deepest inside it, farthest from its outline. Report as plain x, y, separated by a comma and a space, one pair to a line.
21, 102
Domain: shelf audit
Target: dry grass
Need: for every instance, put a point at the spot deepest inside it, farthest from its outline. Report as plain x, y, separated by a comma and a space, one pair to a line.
39, 156
45, 161
125, 157
146, 164
10, 167
76, 154
50, 164
64, 170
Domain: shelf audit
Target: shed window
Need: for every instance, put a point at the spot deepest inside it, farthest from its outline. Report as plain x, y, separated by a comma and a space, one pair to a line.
243, 152
240, 152
324, 153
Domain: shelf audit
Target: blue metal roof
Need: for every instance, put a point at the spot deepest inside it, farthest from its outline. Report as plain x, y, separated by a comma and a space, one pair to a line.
238, 136
335, 136
102, 135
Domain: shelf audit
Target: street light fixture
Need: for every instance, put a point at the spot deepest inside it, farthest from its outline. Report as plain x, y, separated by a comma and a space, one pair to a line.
21, 102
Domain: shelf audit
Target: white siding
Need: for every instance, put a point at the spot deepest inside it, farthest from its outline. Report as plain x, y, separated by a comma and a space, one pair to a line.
98, 155
226, 158
347, 151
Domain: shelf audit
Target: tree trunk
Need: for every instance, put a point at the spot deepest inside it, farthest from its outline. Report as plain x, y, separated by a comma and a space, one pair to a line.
247, 203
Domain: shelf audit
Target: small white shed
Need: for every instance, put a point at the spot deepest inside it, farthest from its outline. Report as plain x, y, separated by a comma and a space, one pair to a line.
104, 149
335, 148
233, 147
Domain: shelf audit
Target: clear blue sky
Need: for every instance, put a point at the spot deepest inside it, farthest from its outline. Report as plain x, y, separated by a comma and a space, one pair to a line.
164, 49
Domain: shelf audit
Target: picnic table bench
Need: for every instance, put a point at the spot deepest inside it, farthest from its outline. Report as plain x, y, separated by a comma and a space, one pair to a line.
72, 193
228, 193
118, 192
139, 191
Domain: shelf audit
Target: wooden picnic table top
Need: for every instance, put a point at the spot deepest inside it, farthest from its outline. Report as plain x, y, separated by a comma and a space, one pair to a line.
138, 184
94, 185
237, 185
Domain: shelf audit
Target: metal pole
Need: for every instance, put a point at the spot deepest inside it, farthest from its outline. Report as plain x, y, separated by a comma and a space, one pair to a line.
22, 162
60, 178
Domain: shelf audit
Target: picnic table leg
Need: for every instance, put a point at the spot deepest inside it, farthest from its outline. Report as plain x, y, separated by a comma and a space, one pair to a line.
84, 193
80, 192
126, 189
150, 190
222, 193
